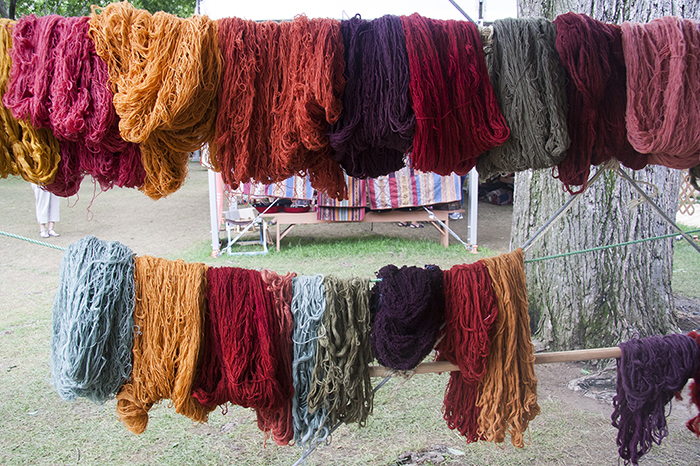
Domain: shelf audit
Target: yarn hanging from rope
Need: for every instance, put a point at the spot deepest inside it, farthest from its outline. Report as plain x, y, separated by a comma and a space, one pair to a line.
58, 82
169, 324
376, 126
308, 306
530, 85
408, 307
280, 423
457, 116
663, 90
340, 382
29, 152
164, 72
471, 310
241, 361
649, 373
92, 320
694, 423
281, 86
508, 397
591, 52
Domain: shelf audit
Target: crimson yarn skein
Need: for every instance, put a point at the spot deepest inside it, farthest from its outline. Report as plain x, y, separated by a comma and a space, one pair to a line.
694, 423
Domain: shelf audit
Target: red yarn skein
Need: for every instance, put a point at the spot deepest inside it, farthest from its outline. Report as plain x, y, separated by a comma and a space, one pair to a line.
694, 423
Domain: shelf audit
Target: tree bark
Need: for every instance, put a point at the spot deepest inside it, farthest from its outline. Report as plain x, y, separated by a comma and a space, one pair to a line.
603, 297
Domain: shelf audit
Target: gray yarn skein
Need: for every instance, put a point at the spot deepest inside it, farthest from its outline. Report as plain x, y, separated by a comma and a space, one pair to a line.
530, 84
93, 320
308, 306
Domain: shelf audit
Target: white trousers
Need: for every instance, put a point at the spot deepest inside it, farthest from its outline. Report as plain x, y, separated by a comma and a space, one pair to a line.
47, 205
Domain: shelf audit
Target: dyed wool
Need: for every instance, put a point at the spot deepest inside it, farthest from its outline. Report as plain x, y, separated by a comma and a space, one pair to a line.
663, 90
530, 85
169, 323
457, 116
308, 305
470, 313
340, 382
281, 86
408, 310
376, 126
694, 423
164, 71
649, 372
591, 52
29, 152
280, 422
92, 320
241, 360
508, 397
58, 82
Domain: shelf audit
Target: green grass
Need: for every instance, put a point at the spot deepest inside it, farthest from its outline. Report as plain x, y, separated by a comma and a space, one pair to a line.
686, 268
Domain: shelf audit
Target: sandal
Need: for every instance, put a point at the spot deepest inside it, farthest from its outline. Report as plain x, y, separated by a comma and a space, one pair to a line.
401, 224
53, 233
44, 233
416, 225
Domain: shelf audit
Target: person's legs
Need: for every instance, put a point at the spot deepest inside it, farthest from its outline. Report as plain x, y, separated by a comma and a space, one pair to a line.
42, 200
54, 213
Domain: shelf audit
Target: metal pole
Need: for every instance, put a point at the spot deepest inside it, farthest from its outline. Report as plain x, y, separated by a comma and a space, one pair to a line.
459, 8
473, 186
433, 218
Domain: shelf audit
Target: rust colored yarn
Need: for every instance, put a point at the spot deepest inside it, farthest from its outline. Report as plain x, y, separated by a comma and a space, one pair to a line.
694, 423
281, 86
470, 313
32, 153
169, 323
591, 52
663, 90
457, 116
279, 423
241, 361
164, 72
508, 399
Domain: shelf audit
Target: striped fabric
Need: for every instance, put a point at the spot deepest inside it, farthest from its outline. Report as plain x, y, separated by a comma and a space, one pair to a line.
348, 210
411, 188
296, 187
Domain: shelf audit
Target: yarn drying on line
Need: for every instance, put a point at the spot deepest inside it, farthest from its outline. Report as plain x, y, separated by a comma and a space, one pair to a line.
530, 85
169, 324
92, 320
694, 423
164, 72
408, 307
649, 373
457, 116
376, 126
663, 90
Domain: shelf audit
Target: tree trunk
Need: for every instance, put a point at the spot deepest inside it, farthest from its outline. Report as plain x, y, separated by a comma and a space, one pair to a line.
603, 297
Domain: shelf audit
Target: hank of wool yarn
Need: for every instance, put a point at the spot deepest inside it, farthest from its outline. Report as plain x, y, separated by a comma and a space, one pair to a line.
694, 423
508, 396
376, 126
308, 306
530, 85
408, 310
164, 72
649, 373
340, 381
663, 89
694, 176
591, 52
457, 116
169, 323
241, 361
471, 309
92, 320
32, 153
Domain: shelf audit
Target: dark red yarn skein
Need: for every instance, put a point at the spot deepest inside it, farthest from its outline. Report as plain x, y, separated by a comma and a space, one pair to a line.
694, 423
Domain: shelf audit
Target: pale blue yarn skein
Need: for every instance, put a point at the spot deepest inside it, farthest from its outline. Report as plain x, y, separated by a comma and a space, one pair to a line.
308, 305
93, 324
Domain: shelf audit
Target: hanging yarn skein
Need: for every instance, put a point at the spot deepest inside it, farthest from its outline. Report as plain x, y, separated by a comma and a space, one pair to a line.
281, 86
308, 306
340, 382
376, 126
32, 153
649, 373
530, 85
457, 116
663, 89
241, 361
164, 72
408, 310
591, 52
92, 320
694, 423
508, 396
169, 323
471, 309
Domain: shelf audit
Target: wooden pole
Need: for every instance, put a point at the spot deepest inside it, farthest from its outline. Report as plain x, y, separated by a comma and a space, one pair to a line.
542, 358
